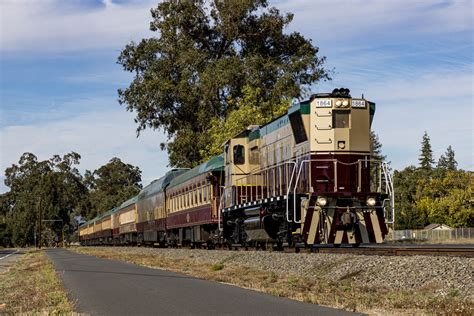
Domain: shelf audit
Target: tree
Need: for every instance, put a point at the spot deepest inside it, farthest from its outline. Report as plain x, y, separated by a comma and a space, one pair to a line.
50, 189
447, 161
247, 113
111, 185
194, 72
375, 154
406, 184
376, 147
446, 199
426, 156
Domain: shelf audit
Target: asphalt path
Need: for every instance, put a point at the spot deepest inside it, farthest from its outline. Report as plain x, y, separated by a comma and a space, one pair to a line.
110, 287
8, 257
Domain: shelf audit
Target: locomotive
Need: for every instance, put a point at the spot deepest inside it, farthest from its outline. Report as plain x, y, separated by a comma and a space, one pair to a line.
305, 178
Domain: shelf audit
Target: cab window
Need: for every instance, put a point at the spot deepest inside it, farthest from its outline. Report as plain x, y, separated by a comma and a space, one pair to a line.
341, 119
239, 155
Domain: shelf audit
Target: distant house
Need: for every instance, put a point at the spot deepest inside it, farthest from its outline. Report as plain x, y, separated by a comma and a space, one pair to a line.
437, 227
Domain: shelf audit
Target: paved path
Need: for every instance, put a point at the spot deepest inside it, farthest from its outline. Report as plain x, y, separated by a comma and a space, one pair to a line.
8, 257
109, 287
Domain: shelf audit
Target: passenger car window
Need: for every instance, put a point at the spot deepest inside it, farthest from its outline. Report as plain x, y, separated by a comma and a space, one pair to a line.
239, 155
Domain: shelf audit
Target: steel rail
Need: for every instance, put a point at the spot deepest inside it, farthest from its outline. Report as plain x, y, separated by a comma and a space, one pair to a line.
401, 251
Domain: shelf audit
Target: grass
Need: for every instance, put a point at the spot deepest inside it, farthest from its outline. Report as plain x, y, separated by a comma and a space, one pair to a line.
344, 293
217, 266
31, 286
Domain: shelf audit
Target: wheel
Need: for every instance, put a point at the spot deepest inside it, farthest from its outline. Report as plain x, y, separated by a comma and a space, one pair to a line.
355, 245
337, 245
278, 246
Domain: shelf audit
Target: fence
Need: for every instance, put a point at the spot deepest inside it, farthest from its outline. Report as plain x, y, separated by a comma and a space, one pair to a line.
465, 233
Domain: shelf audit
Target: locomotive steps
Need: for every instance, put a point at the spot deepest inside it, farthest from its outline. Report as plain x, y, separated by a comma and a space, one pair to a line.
372, 284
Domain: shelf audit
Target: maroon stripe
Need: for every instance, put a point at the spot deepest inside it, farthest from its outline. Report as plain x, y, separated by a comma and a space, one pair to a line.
190, 218
345, 238
370, 228
383, 226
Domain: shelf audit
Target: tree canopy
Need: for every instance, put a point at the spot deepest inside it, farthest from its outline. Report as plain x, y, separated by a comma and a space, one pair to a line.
247, 113
49, 190
54, 189
195, 70
111, 184
425, 195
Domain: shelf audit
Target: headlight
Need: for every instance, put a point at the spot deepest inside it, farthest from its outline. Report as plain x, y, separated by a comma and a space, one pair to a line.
371, 201
322, 201
345, 103
338, 103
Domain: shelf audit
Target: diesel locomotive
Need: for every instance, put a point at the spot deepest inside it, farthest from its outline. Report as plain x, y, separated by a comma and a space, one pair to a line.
305, 178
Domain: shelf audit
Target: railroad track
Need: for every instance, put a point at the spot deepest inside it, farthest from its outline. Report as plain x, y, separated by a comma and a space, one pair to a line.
401, 251
383, 250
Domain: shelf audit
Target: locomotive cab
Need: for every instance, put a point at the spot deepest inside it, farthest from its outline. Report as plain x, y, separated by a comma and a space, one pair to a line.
241, 159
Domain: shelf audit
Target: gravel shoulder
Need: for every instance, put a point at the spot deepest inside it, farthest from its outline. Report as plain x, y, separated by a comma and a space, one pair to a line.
371, 284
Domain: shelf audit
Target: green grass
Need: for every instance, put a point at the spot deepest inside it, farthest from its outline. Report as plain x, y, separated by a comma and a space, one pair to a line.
217, 266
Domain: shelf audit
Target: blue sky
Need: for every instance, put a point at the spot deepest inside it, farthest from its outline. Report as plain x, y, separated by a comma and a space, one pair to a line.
59, 77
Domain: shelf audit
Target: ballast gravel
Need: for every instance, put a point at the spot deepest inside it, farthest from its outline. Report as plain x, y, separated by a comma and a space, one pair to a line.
447, 275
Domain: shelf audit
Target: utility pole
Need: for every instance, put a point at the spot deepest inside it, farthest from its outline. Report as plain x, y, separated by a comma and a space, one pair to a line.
40, 221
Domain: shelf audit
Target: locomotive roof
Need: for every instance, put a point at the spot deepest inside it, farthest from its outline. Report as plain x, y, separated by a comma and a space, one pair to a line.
159, 184
216, 163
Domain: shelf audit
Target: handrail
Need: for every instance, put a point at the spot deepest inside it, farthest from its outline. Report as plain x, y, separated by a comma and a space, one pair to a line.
329, 141
384, 167
288, 191
219, 210
389, 189
261, 172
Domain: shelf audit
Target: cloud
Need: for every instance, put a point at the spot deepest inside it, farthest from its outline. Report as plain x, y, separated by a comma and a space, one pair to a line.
440, 103
59, 26
365, 20
96, 135
55, 25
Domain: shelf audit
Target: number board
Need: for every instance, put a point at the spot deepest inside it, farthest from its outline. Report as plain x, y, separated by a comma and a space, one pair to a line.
323, 103
360, 104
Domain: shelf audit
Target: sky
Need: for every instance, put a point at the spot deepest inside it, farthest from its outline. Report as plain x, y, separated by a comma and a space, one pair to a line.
59, 76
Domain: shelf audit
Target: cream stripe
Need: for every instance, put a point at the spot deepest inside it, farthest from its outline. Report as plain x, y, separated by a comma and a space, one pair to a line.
314, 227
376, 227
339, 235
363, 228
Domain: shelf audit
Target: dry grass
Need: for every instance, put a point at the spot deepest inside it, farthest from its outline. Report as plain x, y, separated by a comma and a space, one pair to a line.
31, 286
343, 293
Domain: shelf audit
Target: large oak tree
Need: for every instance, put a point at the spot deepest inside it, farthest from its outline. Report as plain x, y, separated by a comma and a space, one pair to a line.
204, 53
